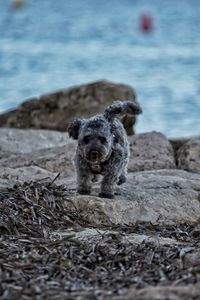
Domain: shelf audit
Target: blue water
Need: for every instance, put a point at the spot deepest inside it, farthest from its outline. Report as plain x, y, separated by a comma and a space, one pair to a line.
52, 44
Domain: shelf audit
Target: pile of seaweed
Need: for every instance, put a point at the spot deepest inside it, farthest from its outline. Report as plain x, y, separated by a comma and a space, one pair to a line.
37, 264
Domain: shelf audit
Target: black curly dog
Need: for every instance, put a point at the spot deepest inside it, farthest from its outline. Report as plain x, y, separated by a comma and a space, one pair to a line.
102, 148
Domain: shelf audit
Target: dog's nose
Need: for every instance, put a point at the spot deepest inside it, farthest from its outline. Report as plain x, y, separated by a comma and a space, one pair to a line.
94, 153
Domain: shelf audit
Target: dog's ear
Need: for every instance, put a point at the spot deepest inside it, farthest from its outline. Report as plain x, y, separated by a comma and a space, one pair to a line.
73, 128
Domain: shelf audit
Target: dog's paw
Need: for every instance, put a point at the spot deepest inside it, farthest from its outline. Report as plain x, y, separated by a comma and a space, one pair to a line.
106, 195
84, 192
95, 178
122, 179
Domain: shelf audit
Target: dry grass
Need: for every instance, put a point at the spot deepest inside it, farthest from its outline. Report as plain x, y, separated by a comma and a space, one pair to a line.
35, 264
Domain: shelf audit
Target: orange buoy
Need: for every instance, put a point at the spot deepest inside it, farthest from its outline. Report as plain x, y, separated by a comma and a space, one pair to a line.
146, 23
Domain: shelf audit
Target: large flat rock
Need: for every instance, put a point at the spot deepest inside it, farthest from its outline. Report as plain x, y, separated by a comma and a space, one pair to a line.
25, 141
12, 176
54, 110
52, 151
161, 197
57, 159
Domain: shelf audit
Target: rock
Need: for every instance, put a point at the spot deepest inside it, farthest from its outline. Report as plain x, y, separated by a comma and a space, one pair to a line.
57, 159
150, 151
28, 141
137, 239
53, 111
178, 142
24, 174
192, 259
196, 230
188, 156
92, 236
4, 183
190, 292
164, 197
49, 150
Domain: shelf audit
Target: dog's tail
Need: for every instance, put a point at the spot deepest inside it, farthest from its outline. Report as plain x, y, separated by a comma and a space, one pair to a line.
119, 108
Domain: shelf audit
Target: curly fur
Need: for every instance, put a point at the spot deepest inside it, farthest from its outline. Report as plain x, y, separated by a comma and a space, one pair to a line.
102, 148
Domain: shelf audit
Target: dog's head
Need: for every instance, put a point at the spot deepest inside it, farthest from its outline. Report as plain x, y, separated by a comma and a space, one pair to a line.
94, 138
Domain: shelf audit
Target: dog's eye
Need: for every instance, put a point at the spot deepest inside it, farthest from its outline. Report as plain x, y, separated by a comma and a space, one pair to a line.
102, 139
116, 140
86, 139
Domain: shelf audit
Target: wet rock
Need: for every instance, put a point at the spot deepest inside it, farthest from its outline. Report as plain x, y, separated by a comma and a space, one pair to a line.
53, 111
150, 151
188, 156
165, 197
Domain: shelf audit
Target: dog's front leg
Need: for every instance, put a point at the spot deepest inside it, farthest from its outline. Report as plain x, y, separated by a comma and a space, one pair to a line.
107, 186
83, 182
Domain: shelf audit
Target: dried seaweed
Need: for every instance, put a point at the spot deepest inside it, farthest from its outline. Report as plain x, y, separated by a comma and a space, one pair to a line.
34, 264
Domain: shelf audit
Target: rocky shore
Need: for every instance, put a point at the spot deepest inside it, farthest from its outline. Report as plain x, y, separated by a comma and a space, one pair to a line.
54, 243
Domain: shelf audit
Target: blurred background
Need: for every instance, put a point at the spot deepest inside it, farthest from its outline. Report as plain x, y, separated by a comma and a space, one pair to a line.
152, 45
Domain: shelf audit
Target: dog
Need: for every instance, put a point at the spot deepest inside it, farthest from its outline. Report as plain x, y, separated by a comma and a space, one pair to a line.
103, 148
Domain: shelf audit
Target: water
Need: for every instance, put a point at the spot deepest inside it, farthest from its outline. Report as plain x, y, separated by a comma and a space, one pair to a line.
52, 44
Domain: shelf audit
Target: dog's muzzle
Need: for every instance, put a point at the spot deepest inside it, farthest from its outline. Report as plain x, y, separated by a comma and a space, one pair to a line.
94, 156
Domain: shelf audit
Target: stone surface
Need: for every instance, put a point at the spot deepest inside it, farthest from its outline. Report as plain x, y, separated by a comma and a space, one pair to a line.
25, 174
54, 110
190, 292
4, 183
137, 239
161, 197
191, 259
92, 235
57, 159
150, 151
188, 156
50, 150
27, 141
178, 142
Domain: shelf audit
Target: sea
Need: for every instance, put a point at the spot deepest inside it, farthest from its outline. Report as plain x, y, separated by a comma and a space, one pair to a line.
48, 45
